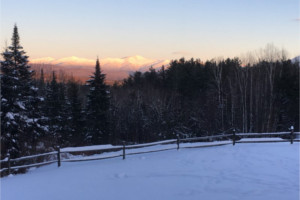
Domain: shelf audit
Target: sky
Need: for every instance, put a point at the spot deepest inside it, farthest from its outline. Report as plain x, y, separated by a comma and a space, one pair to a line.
157, 29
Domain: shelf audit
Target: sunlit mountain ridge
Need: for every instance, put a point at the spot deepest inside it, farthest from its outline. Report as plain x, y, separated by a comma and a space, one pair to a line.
114, 68
132, 63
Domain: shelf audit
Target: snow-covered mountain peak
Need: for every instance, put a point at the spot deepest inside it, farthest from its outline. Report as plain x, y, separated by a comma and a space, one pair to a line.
131, 63
83, 66
44, 60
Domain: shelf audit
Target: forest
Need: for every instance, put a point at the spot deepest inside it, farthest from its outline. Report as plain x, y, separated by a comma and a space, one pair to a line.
188, 98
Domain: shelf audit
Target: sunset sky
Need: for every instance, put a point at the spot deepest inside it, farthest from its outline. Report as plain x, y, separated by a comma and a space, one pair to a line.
158, 29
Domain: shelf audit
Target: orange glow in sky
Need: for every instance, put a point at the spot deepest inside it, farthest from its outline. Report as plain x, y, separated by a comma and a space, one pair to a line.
155, 29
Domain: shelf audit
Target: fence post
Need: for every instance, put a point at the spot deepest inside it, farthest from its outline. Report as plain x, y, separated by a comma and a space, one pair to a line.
292, 134
8, 163
178, 141
58, 156
233, 139
123, 150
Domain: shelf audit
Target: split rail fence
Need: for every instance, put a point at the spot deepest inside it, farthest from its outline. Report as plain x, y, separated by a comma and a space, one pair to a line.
76, 154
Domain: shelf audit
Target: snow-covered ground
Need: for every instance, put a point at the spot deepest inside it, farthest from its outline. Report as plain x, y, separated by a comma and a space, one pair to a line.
244, 171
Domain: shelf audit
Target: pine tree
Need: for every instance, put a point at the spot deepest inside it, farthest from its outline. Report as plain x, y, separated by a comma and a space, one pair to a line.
76, 115
56, 109
19, 115
97, 109
10, 117
41, 84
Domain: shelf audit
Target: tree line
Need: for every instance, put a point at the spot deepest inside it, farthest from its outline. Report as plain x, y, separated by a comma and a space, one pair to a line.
188, 98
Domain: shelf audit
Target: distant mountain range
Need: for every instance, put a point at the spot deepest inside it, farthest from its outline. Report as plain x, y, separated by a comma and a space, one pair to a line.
296, 59
114, 68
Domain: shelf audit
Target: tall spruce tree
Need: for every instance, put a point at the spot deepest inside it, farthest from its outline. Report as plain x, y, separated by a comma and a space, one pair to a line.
41, 84
10, 111
56, 109
76, 115
97, 109
19, 100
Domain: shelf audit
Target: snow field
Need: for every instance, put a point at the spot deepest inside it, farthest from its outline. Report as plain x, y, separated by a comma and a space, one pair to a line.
244, 171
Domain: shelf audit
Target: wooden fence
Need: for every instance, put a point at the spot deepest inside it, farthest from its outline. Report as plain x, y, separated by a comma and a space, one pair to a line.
9, 165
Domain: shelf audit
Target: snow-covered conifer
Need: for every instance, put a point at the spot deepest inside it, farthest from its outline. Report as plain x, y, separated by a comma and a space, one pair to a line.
19, 111
97, 107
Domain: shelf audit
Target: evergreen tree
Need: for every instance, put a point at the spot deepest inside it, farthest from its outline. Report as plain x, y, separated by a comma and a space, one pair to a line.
19, 115
41, 84
75, 119
97, 108
56, 110
10, 110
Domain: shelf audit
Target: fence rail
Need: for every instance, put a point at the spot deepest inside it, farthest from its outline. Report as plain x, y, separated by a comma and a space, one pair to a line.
206, 138
34, 165
63, 155
90, 159
34, 156
265, 134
